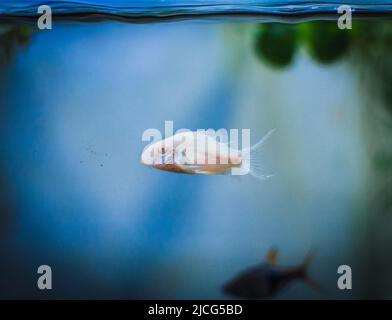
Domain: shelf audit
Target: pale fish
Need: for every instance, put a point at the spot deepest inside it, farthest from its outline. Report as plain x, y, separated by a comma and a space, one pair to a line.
201, 153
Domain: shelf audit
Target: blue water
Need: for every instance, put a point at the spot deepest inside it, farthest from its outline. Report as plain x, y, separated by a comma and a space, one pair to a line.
75, 101
154, 8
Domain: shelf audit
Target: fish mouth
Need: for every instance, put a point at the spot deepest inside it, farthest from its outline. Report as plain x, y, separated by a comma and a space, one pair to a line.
146, 163
227, 288
152, 162
157, 162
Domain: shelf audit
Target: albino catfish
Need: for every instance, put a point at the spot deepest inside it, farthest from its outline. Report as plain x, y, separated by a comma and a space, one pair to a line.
200, 153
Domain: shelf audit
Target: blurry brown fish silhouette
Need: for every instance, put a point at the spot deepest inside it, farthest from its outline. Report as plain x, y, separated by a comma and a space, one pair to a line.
267, 279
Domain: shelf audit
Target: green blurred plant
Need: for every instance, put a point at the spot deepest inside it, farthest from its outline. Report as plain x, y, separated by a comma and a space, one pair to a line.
11, 38
324, 41
276, 44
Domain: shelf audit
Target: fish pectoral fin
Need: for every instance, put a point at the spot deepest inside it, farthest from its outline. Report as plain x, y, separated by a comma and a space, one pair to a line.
272, 256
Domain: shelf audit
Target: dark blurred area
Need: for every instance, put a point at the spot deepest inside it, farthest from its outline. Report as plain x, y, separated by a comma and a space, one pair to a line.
11, 39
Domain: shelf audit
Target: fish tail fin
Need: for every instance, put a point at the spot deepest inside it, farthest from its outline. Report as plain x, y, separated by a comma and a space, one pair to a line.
251, 158
304, 271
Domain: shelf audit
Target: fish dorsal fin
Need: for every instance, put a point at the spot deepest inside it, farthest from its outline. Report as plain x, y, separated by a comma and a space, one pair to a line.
272, 256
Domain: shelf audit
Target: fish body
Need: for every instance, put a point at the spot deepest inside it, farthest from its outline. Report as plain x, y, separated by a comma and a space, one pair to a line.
262, 281
196, 153
266, 279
